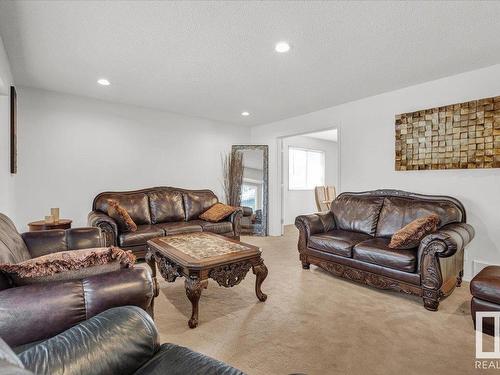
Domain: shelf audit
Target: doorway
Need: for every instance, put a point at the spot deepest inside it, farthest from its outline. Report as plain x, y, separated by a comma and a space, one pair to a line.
307, 160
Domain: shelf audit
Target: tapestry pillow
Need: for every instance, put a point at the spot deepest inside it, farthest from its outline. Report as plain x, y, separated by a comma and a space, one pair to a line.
69, 265
217, 212
121, 216
411, 234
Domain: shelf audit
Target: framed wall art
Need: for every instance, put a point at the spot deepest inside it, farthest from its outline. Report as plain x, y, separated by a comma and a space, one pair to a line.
457, 136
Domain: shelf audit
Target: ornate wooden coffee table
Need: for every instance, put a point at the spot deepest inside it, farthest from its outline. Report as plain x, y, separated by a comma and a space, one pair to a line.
200, 256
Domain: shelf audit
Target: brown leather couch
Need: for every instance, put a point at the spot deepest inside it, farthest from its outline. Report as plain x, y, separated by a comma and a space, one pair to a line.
35, 312
159, 211
351, 241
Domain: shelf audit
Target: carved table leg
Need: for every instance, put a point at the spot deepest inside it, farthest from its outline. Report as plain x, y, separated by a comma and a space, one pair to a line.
194, 287
260, 272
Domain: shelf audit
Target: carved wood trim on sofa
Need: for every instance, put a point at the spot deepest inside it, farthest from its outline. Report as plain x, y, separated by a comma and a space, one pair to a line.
363, 277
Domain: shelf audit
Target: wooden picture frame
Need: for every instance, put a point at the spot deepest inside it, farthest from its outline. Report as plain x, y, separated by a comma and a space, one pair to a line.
13, 130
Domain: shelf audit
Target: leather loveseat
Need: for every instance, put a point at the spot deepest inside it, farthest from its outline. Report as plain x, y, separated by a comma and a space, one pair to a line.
34, 312
122, 340
351, 241
159, 211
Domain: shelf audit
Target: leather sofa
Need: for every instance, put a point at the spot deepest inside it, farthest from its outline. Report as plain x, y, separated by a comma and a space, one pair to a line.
122, 340
351, 241
35, 312
159, 211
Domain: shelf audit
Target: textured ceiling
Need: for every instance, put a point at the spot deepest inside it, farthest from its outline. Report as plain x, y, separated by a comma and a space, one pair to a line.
216, 59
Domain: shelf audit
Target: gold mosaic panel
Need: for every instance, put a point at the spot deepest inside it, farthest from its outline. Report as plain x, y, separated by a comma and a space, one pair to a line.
458, 136
202, 245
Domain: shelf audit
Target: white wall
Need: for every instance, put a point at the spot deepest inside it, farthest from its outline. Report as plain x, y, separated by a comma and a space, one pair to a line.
367, 153
299, 202
6, 179
71, 148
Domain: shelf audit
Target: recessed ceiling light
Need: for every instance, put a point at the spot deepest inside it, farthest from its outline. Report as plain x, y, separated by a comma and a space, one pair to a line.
103, 82
245, 113
282, 47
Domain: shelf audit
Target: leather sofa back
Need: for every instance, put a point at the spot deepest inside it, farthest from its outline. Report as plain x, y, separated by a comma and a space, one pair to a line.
166, 206
357, 213
159, 204
400, 211
136, 204
196, 202
12, 246
382, 212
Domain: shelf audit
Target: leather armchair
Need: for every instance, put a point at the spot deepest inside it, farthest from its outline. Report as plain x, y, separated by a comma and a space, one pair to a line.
121, 340
34, 312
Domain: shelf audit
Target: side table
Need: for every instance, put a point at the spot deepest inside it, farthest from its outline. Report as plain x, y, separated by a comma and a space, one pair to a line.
42, 225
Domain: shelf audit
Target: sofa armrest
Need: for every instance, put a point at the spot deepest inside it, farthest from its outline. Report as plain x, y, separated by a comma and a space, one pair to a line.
117, 341
446, 241
312, 224
107, 225
235, 219
39, 311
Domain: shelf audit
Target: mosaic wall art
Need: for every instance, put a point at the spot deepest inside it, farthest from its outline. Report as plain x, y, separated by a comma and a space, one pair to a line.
458, 136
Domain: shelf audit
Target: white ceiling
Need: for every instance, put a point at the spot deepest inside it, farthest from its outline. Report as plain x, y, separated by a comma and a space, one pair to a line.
216, 59
326, 135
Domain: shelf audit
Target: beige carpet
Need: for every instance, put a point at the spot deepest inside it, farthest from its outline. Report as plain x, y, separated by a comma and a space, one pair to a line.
315, 323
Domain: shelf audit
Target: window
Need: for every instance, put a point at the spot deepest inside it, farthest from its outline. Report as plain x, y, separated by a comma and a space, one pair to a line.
249, 195
306, 168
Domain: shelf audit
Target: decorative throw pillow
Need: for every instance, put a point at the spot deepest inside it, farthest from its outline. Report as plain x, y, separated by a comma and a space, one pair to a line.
121, 216
69, 265
411, 234
217, 212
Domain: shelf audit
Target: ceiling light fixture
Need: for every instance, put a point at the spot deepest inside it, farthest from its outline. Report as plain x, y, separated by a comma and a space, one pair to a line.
103, 82
245, 113
282, 47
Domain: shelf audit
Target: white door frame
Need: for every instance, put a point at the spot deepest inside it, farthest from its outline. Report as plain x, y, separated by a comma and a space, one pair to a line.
281, 171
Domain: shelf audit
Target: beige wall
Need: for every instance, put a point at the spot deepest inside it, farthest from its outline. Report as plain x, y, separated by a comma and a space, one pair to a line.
367, 153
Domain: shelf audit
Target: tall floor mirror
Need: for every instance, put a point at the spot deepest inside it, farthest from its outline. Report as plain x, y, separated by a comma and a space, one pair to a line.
254, 189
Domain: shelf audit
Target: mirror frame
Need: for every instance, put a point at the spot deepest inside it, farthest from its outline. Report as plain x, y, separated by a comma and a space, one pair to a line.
264, 230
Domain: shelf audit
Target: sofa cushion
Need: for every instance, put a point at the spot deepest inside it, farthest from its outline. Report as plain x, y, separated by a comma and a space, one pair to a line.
399, 211
217, 212
136, 204
377, 251
338, 242
357, 213
69, 265
166, 206
143, 234
197, 202
219, 228
179, 228
121, 216
410, 235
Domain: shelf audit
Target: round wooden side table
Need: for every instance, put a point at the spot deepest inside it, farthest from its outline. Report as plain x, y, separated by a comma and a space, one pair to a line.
42, 225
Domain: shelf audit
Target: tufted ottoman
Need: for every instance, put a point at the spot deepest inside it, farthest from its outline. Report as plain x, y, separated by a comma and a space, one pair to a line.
485, 290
